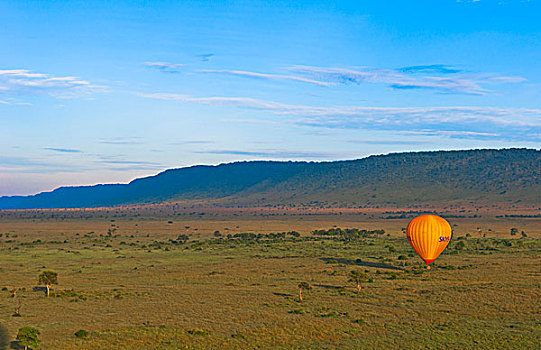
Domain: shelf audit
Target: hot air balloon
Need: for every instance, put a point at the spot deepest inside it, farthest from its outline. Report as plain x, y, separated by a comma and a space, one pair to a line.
428, 236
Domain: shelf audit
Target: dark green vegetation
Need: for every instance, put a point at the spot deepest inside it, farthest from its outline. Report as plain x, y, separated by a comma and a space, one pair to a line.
28, 336
48, 278
223, 284
480, 176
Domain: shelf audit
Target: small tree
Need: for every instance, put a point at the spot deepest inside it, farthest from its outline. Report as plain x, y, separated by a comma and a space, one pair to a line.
48, 278
460, 245
392, 250
17, 312
357, 277
513, 231
28, 336
305, 286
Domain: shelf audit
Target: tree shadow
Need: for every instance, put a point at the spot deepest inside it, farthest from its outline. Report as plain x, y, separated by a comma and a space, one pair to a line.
16, 345
283, 294
359, 262
328, 286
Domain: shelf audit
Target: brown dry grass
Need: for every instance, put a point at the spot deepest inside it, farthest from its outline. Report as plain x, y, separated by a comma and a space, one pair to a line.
238, 295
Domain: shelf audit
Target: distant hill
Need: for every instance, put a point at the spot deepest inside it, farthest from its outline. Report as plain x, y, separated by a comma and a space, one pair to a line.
509, 175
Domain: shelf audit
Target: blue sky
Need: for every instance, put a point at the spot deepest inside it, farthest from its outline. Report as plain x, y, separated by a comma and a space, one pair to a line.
108, 91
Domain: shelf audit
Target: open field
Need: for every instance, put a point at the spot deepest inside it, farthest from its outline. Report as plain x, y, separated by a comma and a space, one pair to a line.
134, 283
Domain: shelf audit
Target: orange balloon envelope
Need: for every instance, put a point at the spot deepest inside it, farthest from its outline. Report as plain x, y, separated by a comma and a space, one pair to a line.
428, 236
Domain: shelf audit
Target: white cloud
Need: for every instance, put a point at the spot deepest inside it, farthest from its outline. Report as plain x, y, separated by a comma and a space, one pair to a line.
505, 122
248, 74
435, 77
272, 153
164, 67
24, 82
451, 133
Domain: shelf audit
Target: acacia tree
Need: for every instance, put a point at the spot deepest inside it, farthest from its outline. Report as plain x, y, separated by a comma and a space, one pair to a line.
305, 286
48, 278
28, 336
358, 277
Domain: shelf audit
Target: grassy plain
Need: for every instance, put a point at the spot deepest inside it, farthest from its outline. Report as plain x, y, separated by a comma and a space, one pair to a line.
132, 283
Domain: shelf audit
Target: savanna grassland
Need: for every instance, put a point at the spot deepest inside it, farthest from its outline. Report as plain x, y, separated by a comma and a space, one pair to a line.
229, 280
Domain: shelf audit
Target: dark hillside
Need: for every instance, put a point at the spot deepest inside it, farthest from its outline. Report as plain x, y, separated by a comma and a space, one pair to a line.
511, 175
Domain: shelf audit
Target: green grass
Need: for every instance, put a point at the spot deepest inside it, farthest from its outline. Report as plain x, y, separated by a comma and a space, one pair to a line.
219, 293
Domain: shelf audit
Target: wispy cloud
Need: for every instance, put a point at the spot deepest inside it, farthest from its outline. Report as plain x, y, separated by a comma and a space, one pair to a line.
432, 68
459, 133
62, 150
25, 82
164, 67
129, 162
388, 142
507, 122
244, 102
129, 165
438, 77
452, 133
123, 140
256, 75
12, 101
272, 153
205, 57
252, 121
51, 165
192, 142
20, 164
434, 77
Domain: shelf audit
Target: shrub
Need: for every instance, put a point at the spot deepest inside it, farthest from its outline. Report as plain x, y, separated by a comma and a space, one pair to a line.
197, 332
460, 245
81, 334
296, 311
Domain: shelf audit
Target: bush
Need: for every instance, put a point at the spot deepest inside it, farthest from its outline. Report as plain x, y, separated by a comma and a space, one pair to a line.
197, 332
296, 311
81, 334
328, 314
460, 245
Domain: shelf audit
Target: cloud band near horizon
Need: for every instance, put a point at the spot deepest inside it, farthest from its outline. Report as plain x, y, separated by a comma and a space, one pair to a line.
452, 121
